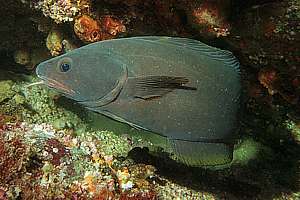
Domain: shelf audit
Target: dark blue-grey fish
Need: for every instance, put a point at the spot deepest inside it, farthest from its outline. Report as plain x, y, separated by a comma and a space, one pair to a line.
179, 88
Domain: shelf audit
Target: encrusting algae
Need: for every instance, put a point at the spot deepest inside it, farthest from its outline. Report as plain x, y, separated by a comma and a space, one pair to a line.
63, 166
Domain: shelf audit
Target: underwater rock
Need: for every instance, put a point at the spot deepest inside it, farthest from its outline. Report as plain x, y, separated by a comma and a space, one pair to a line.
264, 35
16, 29
175, 191
168, 15
126, 2
30, 58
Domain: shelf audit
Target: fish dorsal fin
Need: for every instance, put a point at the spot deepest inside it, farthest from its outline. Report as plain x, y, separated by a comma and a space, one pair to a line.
149, 87
214, 53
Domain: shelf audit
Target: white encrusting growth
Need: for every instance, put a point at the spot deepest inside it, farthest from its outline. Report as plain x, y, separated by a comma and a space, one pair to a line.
35, 83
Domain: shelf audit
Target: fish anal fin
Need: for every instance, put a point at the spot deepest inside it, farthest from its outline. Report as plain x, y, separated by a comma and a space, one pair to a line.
202, 153
151, 87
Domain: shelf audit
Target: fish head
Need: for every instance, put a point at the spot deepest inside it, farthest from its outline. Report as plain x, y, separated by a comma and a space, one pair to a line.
84, 74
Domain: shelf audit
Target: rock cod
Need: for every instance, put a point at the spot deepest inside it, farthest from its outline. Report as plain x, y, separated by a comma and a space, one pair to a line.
179, 88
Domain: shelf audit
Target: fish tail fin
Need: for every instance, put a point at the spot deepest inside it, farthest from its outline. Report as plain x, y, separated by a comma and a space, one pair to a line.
202, 153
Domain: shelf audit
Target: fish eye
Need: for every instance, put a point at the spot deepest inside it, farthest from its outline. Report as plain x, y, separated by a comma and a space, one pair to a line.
64, 64
64, 67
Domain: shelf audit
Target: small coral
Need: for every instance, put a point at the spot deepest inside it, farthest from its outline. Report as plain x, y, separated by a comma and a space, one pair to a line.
87, 29
142, 171
112, 25
294, 128
12, 158
124, 179
267, 77
3, 195
22, 56
54, 151
209, 17
62, 10
68, 45
104, 194
272, 79
54, 42
90, 30
134, 195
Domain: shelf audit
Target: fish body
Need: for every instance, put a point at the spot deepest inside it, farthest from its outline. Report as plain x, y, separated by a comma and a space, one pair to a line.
179, 88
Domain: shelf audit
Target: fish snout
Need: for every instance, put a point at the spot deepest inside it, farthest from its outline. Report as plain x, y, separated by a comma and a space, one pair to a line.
41, 71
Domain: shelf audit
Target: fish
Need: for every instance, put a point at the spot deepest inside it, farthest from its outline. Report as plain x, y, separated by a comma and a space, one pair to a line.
180, 88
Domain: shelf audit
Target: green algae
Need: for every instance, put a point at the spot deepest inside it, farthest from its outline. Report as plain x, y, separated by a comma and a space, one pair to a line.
139, 138
10, 99
6, 91
294, 129
250, 150
41, 108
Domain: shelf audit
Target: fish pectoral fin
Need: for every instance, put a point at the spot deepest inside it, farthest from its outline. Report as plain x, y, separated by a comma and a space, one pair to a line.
150, 87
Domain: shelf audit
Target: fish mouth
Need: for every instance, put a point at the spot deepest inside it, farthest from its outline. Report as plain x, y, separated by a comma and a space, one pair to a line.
57, 85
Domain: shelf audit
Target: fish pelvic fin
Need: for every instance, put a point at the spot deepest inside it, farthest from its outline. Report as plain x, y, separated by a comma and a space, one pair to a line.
198, 154
120, 119
150, 87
